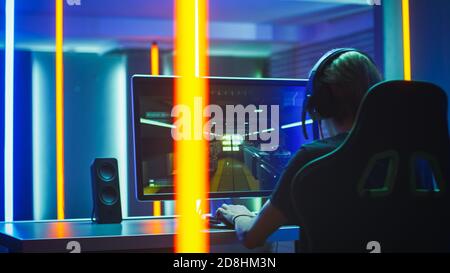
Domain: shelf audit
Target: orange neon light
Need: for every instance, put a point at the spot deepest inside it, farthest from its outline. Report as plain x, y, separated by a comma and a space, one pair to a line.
59, 109
154, 64
406, 40
154, 56
155, 226
60, 230
191, 156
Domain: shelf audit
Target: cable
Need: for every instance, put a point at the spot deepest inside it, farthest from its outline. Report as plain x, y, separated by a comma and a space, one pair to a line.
93, 214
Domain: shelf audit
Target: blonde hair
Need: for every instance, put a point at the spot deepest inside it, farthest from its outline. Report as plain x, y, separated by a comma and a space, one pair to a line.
348, 78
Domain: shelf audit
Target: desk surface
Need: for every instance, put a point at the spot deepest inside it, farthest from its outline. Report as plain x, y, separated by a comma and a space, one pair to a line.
131, 234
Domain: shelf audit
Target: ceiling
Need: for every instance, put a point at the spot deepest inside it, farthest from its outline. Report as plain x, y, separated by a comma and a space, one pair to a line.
112, 24
255, 11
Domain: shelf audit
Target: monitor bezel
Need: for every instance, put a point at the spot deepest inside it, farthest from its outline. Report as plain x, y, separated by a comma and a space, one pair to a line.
139, 84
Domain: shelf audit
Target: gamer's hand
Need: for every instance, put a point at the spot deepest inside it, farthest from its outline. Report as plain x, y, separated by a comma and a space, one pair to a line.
229, 212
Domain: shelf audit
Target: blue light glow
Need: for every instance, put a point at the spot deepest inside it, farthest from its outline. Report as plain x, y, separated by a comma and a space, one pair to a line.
9, 110
121, 140
157, 123
39, 159
169, 207
296, 124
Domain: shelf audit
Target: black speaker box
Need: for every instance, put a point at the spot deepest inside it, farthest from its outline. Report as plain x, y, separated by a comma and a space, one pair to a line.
106, 191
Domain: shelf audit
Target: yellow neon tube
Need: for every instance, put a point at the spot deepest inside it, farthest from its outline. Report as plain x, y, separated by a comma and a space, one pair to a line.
406, 40
154, 64
59, 109
154, 59
191, 156
157, 208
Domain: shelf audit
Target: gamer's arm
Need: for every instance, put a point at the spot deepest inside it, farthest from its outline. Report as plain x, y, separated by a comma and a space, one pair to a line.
253, 230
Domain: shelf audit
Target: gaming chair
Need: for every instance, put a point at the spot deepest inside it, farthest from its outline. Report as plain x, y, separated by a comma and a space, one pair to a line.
401, 130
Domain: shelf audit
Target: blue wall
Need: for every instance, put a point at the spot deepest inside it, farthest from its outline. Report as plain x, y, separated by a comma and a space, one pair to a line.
23, 190
93, 85
23, 160
430, 42
91, 123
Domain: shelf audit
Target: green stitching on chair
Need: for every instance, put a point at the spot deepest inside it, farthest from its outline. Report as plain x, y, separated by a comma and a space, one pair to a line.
389, 179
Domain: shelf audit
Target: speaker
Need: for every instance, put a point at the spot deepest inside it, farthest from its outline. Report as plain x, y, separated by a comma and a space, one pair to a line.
106, 191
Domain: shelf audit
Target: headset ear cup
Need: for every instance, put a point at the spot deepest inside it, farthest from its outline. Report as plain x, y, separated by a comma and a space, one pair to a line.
311, 106
307, 105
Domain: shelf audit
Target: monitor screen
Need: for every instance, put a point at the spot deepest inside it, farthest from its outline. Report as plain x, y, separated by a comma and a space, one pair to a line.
254, 130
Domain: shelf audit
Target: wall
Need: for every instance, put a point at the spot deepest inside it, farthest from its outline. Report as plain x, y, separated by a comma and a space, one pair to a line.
22, 155
23, 164
358, 30
227, 66
430, 42
297, 62
392, 40
95, 126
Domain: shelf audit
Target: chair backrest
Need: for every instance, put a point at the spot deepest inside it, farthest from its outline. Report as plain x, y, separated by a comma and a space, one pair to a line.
388, 182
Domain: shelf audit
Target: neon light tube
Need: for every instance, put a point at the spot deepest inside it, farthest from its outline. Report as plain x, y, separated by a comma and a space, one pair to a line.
157, 211
59, 109
406, 40
9, 112
157, 123
191, 156
297, 124
120, 98
154, 64
154, 59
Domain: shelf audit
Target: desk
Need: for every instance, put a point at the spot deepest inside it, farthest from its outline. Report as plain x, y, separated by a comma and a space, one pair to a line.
131, 235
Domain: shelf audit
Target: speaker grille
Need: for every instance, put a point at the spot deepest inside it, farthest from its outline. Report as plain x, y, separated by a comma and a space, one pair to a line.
109, 196
106, 172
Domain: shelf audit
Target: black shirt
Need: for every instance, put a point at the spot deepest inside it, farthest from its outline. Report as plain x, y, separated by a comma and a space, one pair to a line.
281, 198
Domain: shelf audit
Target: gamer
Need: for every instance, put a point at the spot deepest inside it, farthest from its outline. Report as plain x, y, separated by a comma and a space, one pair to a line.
336, 86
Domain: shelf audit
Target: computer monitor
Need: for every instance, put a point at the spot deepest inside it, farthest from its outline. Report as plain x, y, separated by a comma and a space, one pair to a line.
244, 162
